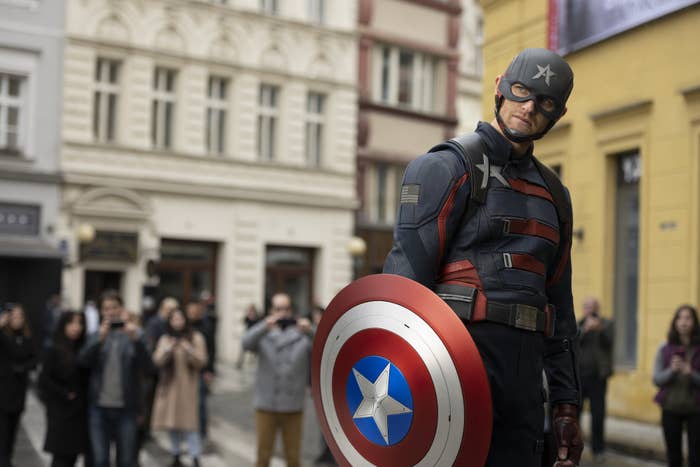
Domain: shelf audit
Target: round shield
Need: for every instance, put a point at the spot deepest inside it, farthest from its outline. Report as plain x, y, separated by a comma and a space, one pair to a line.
397, 380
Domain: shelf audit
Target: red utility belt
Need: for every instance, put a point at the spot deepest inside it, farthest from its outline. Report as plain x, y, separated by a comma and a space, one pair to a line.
470, 305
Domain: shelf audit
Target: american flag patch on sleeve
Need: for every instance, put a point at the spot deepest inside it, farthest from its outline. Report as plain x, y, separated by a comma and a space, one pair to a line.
410, 194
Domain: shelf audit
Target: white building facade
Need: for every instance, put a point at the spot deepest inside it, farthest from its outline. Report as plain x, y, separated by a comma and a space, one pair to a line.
211, 147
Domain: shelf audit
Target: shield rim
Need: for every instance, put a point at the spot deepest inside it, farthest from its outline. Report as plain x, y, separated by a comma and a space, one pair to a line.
454, 335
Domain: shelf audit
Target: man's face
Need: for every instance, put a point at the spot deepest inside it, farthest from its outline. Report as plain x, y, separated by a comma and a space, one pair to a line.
522, 117
195, 311
111, 310
590, 306
282, 306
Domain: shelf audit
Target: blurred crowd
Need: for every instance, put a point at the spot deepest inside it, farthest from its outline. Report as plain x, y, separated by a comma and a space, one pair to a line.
108, 378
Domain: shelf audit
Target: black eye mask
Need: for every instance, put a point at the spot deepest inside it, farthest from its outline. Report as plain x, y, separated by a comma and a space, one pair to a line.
505, 88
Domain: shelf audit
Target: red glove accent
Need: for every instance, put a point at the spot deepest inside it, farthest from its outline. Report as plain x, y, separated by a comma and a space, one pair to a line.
568, 435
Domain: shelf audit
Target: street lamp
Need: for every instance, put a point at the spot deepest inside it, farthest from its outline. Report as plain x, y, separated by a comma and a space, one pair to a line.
357, 247
86, 233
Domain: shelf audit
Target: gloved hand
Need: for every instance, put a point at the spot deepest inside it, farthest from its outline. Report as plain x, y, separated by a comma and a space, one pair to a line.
567, 435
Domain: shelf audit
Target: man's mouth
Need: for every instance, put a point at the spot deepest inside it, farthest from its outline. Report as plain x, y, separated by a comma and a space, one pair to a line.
525, 120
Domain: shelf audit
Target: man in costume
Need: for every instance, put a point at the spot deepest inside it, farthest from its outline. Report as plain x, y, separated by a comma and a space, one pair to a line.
488, 228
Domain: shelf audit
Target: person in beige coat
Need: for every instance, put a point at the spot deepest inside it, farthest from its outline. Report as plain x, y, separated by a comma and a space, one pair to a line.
179, 356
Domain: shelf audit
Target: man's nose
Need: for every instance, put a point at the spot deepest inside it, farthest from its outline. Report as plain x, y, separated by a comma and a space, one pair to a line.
529, 106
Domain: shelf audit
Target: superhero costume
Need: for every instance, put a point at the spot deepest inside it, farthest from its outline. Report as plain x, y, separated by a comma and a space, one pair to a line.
486, 232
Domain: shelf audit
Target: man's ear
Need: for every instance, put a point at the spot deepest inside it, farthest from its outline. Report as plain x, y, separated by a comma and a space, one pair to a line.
498, 80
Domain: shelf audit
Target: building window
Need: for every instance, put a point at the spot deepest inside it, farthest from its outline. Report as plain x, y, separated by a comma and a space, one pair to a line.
217, 92
316, 10
12, 109
267, 121
382, 188
104, 114
405, 78
626, 257
269, 7
315, 108
163, 109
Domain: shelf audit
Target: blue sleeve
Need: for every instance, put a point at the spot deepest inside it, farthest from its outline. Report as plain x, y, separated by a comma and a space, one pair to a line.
561, 357
434, 195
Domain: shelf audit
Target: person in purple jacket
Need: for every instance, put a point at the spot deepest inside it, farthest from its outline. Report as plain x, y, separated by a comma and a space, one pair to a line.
677, 374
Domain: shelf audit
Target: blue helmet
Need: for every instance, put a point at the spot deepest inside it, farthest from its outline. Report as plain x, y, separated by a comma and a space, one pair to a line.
549, 79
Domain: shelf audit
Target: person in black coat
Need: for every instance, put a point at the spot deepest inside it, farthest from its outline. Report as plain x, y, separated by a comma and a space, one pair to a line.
17, 358
63, 384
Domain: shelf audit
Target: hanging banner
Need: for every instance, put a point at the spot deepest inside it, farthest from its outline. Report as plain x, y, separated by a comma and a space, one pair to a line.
575, 24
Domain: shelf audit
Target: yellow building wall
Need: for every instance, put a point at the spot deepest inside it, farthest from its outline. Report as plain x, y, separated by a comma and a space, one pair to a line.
637, 90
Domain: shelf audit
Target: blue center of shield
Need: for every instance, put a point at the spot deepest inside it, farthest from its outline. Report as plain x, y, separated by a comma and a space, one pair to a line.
380, 400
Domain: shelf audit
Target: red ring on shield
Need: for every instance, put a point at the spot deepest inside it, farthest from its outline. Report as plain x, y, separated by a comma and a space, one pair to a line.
465, 357
415, 445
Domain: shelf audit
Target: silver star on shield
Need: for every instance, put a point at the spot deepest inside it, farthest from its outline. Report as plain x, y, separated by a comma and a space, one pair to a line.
491, 171
544, 72
376, 401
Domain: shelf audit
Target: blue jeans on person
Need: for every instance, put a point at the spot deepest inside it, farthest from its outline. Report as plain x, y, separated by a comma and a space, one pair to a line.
203, 394
194, 444
113, 423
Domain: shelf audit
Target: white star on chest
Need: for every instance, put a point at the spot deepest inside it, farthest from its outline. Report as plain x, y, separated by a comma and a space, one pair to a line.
376, 401
491, 171
544, 72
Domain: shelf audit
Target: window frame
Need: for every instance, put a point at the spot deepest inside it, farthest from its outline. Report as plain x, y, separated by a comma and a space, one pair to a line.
270, 7
25, 66
102, 90
316, 10
390, 77
217, 109
162, 128
315, 122
268, 121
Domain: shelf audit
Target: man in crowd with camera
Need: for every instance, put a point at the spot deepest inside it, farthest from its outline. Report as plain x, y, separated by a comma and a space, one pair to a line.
283, 343
597, 334
117, 357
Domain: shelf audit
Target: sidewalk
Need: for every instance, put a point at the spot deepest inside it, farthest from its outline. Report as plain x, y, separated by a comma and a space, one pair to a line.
641, 440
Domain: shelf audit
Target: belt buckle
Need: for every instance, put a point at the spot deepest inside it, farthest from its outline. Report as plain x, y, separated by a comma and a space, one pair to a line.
526, 317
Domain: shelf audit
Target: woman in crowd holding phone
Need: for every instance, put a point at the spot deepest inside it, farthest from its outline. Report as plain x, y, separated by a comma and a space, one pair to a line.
677, 374
180, 354
17, 359
64, 383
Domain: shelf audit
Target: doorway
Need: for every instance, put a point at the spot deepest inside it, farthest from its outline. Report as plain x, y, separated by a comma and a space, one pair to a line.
290, 270
97, 282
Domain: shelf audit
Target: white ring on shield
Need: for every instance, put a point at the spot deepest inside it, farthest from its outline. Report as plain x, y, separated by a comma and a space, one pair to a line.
410, 327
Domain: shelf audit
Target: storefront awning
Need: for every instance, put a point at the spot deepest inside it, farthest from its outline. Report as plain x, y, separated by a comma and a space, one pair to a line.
28, 248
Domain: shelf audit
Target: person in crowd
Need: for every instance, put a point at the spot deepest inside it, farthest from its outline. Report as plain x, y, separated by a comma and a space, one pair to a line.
677, 374
155, 328
180, 355
201, 324
63, 384
52, 312
283, 344
157, 325
250, 317
596, 341
17, 359
117, 358
206, 299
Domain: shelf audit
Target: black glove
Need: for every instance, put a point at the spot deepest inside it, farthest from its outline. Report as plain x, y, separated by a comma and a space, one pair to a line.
568, 435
